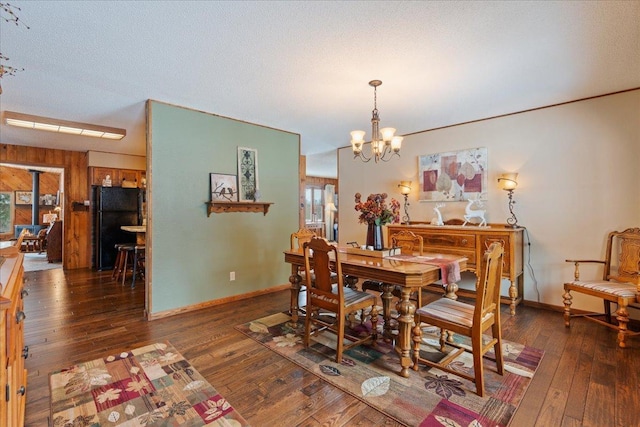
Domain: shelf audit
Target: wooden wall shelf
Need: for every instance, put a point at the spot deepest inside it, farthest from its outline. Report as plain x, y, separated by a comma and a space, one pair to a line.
222, 207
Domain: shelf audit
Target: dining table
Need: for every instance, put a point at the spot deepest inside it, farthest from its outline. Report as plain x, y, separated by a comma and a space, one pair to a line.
140, 230
139, 250
411, 273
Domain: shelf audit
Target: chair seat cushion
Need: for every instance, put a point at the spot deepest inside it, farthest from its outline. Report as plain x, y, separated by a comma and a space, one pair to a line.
617, 289
449, 310
352, 297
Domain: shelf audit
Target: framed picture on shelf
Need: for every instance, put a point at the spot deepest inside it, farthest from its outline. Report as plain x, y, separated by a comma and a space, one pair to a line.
23, 197
247, 174
224, 187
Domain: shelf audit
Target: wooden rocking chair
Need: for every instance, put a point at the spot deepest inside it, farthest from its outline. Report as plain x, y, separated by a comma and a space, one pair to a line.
621, 287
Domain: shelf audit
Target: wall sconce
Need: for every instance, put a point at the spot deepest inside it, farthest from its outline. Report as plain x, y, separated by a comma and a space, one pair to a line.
508, 182
405, 189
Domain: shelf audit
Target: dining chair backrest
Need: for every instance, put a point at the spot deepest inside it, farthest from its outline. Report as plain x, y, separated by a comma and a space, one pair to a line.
488, 292
627, 245
300, 237
324, 258
408, 242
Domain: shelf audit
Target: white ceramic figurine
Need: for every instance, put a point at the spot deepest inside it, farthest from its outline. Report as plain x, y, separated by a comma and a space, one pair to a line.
474, 213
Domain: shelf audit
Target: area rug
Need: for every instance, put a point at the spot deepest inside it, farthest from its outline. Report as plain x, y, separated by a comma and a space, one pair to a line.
148, 386
38, 262
429, 397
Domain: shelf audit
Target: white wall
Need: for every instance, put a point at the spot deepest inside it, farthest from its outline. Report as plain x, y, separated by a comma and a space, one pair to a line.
578, 180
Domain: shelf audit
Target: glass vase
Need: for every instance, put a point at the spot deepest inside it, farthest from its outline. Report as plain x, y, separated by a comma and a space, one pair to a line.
375, 237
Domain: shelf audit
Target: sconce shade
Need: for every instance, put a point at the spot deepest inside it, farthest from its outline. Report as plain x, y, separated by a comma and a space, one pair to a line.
405, 187
508, 181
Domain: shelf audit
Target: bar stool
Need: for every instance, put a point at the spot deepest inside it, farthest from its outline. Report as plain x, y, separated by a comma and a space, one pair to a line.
138, 263
125, 251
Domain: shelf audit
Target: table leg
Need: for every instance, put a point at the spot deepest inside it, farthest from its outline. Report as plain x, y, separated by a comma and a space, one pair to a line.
452, 289
350, 281
295, 279
407, 309
386, 297
513, 293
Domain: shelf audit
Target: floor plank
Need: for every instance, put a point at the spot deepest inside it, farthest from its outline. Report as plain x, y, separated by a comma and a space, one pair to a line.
79, 315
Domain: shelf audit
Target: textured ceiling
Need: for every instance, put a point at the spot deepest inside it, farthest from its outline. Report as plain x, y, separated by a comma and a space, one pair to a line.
304, 67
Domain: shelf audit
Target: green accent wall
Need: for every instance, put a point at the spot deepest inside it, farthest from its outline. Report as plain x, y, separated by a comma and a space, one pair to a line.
192, 254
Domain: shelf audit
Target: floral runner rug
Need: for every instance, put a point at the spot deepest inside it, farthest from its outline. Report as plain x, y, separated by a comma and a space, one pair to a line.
429, 397
148, 386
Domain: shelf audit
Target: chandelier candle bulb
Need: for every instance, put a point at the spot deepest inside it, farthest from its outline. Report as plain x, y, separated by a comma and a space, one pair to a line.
396, 143
387, 134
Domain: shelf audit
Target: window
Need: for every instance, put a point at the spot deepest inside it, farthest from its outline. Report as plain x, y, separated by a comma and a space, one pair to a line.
6, 220
314, 204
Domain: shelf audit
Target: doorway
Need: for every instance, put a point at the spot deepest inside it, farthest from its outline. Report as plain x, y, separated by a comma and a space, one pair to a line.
31, 197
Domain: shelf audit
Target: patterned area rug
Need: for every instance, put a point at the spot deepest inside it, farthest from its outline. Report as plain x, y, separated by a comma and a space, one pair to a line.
149, 386
429, 397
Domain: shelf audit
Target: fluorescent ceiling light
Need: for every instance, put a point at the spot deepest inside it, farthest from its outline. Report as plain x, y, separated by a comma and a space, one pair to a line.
54, 125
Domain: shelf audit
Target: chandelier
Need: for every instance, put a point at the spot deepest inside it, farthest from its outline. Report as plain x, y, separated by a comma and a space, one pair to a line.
384, 145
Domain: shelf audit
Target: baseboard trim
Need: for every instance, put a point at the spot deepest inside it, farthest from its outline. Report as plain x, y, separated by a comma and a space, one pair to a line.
633, 323
213, 303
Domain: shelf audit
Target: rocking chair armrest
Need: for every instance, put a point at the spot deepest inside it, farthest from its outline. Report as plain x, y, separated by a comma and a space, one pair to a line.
576, 262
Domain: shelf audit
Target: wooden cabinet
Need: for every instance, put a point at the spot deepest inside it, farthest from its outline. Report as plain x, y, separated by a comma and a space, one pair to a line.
471, 242
97, 174
13, 375
54, 242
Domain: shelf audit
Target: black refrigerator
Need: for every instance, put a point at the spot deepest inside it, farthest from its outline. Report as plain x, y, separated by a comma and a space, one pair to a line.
113, 207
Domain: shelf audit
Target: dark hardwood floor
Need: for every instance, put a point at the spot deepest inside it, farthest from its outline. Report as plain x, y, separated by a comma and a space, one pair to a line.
80, 315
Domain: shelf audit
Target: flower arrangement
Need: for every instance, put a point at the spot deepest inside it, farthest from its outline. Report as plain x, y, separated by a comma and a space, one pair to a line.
374, 210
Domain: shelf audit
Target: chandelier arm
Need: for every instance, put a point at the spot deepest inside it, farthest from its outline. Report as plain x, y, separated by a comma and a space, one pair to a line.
362, 157
388, 150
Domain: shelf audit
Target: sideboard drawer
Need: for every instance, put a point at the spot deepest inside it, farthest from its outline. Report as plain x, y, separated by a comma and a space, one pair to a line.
467, 241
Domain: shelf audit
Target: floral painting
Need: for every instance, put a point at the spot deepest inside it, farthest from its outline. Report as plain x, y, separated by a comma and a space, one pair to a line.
453, 176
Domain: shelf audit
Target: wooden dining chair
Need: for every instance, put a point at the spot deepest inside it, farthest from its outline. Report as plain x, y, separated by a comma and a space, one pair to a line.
409, 244
325, 299
619, 285
298, 239
470, 320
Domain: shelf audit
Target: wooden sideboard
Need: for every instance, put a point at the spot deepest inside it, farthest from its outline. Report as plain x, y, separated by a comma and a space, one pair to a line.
471, 242
13, 375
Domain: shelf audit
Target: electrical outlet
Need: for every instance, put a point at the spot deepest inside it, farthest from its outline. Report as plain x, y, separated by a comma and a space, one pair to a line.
232, 276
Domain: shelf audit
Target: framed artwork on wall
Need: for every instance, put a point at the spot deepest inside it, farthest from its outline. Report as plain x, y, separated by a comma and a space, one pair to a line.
453, 176
23, 197
247, 174
224, 187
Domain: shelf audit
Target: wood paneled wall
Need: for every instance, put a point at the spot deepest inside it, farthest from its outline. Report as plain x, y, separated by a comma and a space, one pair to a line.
321, 182
14, 179
77, 230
